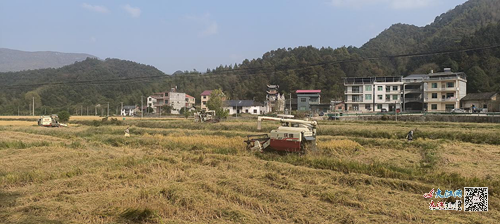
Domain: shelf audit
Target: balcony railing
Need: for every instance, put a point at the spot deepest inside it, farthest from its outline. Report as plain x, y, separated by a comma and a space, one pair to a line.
449, 99
413, 99
355, 101
353, 91
441, 89
413, 90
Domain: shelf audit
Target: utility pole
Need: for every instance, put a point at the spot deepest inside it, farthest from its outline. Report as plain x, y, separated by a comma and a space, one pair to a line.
108, 110
33, 106
396, 109
142, 108
121, 108
290, 112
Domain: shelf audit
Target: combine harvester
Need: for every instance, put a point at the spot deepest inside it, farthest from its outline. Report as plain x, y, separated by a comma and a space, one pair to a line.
50, 121
203, 116
292, 136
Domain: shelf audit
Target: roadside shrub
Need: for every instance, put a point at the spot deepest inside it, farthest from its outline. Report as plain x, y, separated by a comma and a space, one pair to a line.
64, 116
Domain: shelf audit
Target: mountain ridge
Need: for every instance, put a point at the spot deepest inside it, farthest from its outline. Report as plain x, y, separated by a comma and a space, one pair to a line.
12, 60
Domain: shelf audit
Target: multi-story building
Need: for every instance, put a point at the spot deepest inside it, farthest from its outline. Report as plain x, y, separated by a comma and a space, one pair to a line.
306, 98
373, 94
172, 98
190, 101
274, 100
444, 90
413, 91
177, 101
205, 96
431, 92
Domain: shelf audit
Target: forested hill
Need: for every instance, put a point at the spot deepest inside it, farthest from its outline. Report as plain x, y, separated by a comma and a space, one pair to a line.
469, 26
82, 84
15, 60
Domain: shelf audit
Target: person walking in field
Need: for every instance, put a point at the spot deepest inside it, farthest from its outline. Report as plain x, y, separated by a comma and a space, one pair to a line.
127, 132
409, 137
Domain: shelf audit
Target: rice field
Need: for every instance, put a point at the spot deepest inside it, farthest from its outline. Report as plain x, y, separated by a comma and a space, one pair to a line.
178, 171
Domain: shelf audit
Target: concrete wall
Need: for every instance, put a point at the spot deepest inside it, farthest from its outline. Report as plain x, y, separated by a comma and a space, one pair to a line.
428, 118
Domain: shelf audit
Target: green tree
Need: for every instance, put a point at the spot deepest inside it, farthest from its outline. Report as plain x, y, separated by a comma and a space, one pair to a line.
63, 116
167, 109
216, 103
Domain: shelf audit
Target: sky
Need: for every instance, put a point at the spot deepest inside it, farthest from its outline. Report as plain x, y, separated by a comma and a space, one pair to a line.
188, 34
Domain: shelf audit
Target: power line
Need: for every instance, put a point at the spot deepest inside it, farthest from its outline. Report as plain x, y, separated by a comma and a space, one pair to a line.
235, 70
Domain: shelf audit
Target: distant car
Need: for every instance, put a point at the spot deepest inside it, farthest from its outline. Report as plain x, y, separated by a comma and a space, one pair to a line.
458, 111
321, 113
383, 110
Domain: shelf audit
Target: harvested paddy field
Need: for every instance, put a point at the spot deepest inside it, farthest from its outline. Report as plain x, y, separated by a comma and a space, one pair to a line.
178, 171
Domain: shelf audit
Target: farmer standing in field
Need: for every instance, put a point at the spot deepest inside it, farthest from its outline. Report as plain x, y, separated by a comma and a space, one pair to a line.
127, 132
409, 137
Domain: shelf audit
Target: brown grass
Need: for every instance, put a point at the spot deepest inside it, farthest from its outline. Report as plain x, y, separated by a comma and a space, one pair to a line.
96, 175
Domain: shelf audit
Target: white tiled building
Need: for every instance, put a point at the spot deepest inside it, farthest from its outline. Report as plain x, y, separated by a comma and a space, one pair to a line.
434, 92
373, 94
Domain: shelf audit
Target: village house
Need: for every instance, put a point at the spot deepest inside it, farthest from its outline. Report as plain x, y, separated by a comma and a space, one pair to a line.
484, 102
172, 98
205, 96
433, 92
306, 98
129, 110
243, 106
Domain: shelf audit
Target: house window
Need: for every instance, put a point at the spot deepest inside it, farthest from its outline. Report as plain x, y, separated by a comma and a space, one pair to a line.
434, 96
387, 88
368, 88
246, 111
434, 85
380, 88
380, 97
379, 106
313, 100
395, 88
368, 97
394, 97
450, 84
302, 108
254, 111
303, 100
368, 107
485, 106
434, 106
356, 89
387, 98
290, 135
450, 95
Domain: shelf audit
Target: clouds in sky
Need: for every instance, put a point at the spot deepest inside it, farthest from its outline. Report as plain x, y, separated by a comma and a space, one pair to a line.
135, 12
210, 26
95, 8
393, 4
